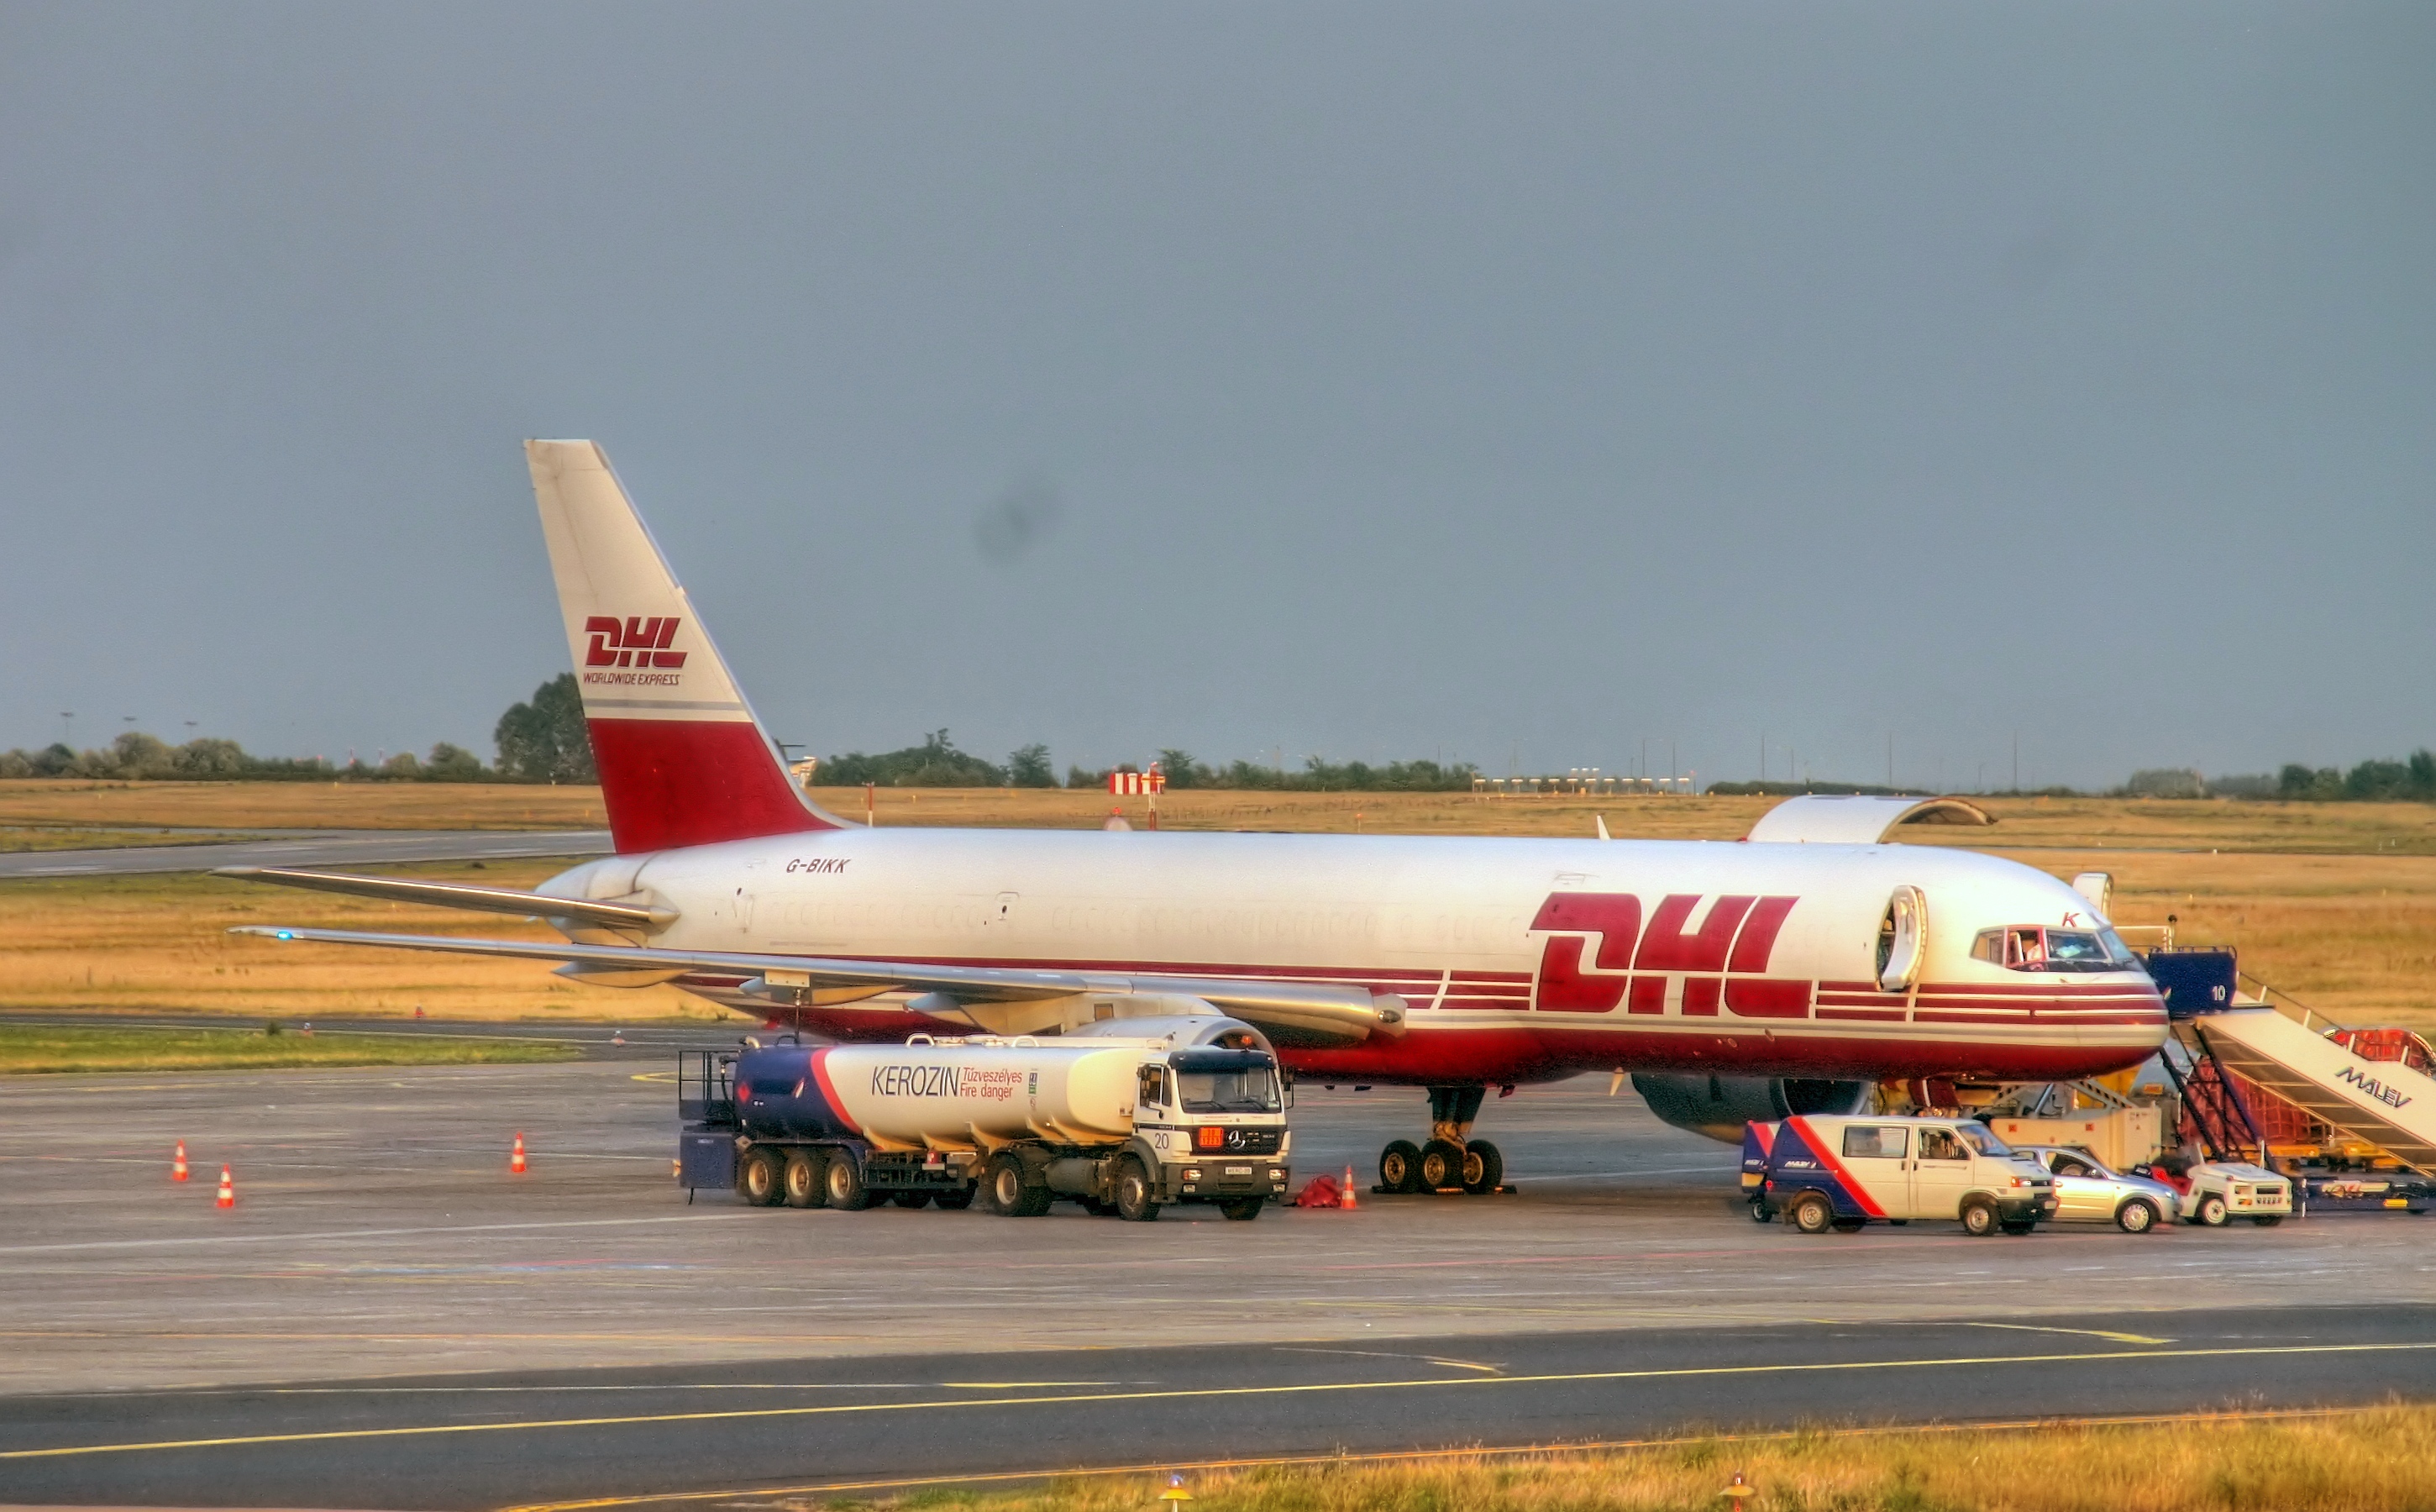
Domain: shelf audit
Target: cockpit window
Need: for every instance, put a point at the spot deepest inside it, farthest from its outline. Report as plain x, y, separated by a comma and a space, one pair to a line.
2034, 947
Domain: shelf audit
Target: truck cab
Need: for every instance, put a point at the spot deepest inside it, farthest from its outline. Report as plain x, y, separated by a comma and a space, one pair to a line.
1844, 1173
1215, 1118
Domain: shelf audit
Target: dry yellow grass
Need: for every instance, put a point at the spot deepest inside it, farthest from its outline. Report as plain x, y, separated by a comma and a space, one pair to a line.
49, 837
2367, 1461
33, 1049
2335, 903
161, 943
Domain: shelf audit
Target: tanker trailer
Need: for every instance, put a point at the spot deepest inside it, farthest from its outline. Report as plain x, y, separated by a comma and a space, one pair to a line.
1121, 1125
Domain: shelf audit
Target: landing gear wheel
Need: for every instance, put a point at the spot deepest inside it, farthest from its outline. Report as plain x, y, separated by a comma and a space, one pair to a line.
758, 1180
2137, 1216
1243, 1209
918, 1198
843, 1181
1811, 1213
1441, 1165
803, 1180
1484, 1168
2268, 1220
1400, 1166
1011, 1193
1136, 1196
1978, 1217
955, 1201
2213, 1212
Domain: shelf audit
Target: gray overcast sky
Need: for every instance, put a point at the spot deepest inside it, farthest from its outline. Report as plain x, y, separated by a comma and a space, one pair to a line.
1374, 380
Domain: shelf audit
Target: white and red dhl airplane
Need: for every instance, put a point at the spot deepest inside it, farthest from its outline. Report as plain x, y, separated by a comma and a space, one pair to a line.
1737, 980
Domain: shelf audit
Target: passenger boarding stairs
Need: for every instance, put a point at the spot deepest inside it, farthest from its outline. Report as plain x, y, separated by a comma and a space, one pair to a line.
2306, 1062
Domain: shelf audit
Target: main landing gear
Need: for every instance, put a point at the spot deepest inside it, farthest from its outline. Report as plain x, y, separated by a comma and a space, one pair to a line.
1451, 1160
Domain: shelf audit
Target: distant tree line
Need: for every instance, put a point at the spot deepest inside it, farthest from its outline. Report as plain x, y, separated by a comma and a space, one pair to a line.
937, 763
2412, 779
2409, 780
135, 757
541, 741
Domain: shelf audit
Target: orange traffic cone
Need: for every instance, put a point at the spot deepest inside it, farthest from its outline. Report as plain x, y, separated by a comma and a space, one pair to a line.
1345, 1201
516, 1157
178, 1166
228, 1189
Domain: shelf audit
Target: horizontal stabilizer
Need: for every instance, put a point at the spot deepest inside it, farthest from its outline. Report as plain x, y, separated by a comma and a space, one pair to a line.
461, 896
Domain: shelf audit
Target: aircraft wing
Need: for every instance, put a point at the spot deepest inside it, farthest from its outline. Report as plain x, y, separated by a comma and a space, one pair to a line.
1343, 1012
462, 895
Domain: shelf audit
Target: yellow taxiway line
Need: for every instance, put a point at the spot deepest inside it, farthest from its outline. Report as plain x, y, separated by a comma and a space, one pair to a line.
1423, 1456
1212, 1393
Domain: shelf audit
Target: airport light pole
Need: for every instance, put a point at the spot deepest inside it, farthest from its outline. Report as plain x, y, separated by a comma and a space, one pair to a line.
67, 727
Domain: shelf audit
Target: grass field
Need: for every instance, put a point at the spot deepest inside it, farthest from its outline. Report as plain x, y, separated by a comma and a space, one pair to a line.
162, 943
299, 804
65, 837
2370, 1461
2334, 903
32, 1049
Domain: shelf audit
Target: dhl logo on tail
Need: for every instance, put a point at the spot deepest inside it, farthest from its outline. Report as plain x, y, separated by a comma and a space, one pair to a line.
638, 642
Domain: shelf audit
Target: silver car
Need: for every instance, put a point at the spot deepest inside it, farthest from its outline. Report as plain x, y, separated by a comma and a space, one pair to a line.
2087, 1191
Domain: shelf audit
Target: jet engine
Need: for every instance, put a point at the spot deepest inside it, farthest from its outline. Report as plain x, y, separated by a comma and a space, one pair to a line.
1718, 1106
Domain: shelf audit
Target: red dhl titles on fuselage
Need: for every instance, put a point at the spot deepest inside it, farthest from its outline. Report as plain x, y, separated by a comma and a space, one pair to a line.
1691, 979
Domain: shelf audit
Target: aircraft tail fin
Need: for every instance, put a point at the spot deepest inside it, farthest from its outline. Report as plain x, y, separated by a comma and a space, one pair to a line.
682, 760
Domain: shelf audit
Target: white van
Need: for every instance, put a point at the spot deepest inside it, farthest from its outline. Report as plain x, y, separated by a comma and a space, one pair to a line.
1842, 1173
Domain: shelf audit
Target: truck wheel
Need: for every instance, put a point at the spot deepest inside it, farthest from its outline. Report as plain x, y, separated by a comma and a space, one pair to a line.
1849, 1226
2137, 1216
2213, 1212
804, 1185
1760, 1213
844, 1179
1243, 1209
1400, 1166
956, 1200
1011, 1193
1978, 1217
1135, 1203
911, 1199
2018, 1226
1484, 1168
759, 1180
1811, 1212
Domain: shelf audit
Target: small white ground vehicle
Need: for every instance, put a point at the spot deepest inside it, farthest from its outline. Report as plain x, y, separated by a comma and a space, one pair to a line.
2220, 1191
2087, 1190
1842, 1173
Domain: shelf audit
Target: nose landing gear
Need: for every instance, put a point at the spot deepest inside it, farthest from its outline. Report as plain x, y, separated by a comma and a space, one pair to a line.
1451, 1160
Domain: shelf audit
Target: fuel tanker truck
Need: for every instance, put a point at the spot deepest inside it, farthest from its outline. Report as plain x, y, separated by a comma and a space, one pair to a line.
1123, 1117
